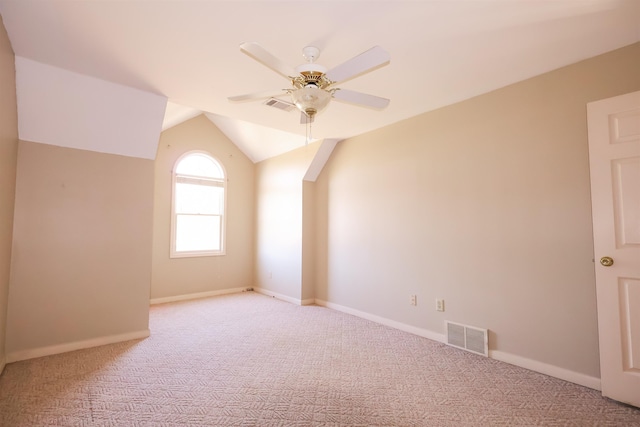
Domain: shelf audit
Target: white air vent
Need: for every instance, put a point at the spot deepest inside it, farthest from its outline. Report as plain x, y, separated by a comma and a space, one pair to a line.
468, 338
279, 104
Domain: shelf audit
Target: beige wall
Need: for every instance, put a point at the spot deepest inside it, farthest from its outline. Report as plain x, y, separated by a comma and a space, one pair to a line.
308, 291
8, 162
181, 276
279, 222
81, 266
485, 204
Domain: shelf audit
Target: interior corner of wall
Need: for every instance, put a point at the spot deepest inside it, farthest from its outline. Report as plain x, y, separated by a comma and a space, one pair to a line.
320, 159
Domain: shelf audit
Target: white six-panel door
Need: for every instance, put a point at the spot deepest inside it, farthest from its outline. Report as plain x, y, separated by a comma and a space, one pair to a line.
614, 153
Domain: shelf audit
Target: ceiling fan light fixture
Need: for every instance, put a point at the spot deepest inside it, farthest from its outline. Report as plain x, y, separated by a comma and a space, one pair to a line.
310, 99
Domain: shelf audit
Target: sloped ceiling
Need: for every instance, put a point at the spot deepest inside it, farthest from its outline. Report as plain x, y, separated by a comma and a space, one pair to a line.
442, 51
59, 107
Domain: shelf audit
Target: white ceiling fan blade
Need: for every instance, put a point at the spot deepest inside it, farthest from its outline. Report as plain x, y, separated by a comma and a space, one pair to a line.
363, 63
360, 98
258, 53
257, 95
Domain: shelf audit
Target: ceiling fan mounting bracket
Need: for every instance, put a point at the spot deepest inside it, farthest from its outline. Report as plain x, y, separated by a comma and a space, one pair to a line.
310, 53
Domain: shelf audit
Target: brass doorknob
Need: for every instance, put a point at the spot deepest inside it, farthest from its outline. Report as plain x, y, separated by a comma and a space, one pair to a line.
606, 261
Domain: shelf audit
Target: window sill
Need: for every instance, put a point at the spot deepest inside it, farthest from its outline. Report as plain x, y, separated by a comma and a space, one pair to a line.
195, 254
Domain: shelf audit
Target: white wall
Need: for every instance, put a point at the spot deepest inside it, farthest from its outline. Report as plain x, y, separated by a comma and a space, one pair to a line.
485, 204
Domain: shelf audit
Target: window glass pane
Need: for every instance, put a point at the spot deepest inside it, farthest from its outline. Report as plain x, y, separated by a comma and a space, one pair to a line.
198, 205
199, 165
197, 233
198, 199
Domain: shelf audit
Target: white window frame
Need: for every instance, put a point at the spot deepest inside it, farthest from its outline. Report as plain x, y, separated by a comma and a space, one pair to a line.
223, 223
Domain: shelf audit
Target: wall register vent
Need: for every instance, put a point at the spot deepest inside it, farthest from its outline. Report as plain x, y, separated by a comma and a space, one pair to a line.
475, 340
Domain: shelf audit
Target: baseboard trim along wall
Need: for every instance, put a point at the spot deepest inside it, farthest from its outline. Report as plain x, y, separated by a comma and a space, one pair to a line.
72, 346
533, 365
544, 368
282, 297
384, 321
185, 297
198, 295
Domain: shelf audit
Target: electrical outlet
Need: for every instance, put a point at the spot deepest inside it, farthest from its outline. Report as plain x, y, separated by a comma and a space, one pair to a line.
439, 304
414, 300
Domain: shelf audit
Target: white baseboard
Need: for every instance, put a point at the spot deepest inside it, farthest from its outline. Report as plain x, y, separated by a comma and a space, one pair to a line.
279, 296
544, 368
198, 295
523, 362
384, 321
17, 356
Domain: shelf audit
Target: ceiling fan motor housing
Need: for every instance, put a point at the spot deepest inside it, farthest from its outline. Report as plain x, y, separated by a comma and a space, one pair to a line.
310, 94
311, 78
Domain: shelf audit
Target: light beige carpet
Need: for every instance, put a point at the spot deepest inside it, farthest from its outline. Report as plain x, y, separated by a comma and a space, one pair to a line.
250, 360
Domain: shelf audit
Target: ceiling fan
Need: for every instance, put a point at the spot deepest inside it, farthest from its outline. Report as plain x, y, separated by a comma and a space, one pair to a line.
312, 86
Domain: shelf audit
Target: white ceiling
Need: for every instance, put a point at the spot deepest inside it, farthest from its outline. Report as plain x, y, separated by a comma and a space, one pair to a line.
442, 51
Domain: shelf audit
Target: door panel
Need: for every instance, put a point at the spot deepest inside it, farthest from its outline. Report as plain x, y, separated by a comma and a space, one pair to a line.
629, 291
614, 156
626, 185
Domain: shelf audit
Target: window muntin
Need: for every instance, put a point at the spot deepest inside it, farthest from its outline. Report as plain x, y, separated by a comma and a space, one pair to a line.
198, 209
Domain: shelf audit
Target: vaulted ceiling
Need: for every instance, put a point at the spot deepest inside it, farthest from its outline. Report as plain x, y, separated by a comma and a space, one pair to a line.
442, 52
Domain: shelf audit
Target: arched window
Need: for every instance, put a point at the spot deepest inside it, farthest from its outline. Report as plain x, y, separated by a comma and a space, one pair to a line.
198, 208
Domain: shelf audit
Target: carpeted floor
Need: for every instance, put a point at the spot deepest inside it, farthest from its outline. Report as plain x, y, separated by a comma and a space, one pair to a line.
250, 360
